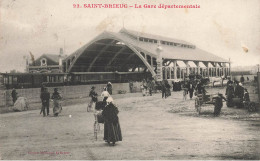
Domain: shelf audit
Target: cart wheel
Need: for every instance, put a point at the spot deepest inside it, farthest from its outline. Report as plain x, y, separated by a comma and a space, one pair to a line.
247, 105
95, 130
196, 104
252, 107
199, 109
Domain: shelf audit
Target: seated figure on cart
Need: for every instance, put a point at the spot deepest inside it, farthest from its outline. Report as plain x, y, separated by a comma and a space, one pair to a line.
230, 92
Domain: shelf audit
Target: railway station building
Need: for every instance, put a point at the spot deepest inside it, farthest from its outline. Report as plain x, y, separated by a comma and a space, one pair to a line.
120, 57
129, 52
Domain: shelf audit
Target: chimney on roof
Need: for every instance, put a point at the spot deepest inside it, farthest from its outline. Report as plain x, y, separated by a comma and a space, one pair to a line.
60, 57
61, 51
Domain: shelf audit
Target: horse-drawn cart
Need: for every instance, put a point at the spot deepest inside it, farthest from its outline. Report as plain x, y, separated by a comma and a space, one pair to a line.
213, 99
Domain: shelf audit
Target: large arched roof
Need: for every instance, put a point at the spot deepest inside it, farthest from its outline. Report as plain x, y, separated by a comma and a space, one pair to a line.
106, 53
121, 51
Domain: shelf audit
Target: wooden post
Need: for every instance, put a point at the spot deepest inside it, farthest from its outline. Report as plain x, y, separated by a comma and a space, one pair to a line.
208, 69
187, 67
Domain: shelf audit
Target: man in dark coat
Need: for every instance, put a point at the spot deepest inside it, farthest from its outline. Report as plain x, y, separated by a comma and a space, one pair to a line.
112, 130
239, 91
190, 89
199, 88
45, 97
168, 88
242, 79
163, 89
230, 94
14, 95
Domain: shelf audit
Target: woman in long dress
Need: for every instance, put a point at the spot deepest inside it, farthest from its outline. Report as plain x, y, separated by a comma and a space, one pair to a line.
56, 102
112, 130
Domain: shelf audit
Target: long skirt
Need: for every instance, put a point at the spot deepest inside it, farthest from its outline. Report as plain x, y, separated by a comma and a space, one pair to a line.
112, 132
56, 107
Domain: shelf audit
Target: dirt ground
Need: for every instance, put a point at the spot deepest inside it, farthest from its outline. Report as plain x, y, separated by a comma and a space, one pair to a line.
152, 128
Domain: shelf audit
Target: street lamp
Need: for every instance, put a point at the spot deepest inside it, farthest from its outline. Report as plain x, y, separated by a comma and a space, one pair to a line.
159, 73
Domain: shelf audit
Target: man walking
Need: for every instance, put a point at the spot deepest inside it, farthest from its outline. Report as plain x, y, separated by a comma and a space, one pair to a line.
45, 97
14, 95
191, 89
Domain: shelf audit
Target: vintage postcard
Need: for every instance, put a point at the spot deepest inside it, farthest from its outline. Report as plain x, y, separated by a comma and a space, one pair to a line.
129, 79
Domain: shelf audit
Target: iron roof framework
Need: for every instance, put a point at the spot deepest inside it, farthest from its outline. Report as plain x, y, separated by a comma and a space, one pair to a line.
124, 52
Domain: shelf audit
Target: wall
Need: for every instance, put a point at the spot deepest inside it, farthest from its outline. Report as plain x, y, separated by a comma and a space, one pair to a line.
237, 77
68, 92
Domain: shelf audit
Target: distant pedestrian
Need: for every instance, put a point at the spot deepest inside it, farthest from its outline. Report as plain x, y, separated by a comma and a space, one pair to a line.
185, 91
45, 97
163, 89
131, 86
42, 90
93, 94
56, 102
242, 79
14, 95
218, 104
168, 88
143, 90
173, 86
191, 89
145, 86
104, 94
112, 130
150, 87
109, 88
246, 95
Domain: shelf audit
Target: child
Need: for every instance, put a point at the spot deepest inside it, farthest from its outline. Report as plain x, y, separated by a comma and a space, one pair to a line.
143, 90
218, 104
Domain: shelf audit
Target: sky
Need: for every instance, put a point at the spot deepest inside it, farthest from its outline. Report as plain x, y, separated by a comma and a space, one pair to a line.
45, 26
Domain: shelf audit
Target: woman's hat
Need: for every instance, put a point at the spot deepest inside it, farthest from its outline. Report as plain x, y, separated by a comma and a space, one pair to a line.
92, 87
109, 100
55, 89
